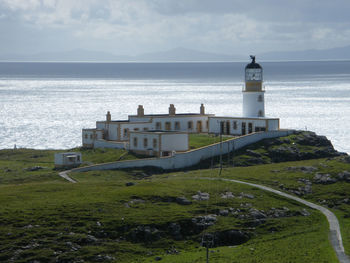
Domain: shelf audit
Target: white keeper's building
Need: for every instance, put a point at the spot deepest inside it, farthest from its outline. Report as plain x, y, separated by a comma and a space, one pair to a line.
165, 134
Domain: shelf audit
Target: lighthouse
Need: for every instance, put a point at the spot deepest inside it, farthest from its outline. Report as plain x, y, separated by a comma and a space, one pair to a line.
253, 92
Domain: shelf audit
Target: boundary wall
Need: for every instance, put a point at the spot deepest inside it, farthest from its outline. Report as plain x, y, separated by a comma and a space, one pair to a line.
190, 158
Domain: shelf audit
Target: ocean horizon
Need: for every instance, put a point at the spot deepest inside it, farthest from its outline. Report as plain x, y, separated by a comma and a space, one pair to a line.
45, 105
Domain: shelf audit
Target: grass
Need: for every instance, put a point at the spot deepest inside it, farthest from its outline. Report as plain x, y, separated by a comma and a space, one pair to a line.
201, 140
43, 221
275, 175
44, 218
15, 165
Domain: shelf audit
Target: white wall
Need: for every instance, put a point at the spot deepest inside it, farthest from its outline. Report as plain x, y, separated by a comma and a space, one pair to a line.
214, 124
140, 141
110, 144
132, 126
174, 142
183, 120
273, 124
188, 159
252, 105
61, 158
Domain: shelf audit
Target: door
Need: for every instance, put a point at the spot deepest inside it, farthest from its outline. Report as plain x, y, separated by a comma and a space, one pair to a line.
243, 128
228, 130
199, 126
250, 127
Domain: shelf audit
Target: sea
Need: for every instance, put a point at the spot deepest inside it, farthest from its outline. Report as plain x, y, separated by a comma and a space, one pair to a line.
46, 105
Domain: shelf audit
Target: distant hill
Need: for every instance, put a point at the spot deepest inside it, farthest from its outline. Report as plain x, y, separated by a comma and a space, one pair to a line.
185, 54
179, 55
311, 54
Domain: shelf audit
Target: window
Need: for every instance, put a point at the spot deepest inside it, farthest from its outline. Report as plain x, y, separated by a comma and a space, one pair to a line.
190, 125
260, 98
260, 114
91, 136
145, 142
86, 136
168, 126
235, 125
154, 144
158, 125
145, 129
177, 125
126, 132
136, 129
135, 142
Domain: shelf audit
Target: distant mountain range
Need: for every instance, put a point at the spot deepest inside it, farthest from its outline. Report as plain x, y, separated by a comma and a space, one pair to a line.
180, 54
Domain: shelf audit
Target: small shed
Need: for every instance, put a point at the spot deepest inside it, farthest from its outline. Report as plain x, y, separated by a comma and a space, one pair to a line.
68, 159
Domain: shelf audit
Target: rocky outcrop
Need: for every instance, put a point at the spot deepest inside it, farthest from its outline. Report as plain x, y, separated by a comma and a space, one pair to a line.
324, 179
303, 145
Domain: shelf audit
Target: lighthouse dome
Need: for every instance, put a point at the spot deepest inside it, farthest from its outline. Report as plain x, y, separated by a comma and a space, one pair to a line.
253, 64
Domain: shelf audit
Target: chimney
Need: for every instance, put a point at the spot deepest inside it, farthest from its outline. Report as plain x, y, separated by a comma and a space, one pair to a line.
140, 111
172, 110
202, 109
108, 117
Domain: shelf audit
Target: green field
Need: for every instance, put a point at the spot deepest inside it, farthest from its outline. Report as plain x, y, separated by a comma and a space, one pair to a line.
44, 218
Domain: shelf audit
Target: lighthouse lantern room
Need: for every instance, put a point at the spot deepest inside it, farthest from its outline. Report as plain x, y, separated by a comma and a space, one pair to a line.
253, 92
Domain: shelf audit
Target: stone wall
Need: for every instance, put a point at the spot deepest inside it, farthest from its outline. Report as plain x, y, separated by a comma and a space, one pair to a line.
190, 158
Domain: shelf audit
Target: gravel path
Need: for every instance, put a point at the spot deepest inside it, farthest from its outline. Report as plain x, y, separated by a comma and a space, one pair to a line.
334, 234
64, 175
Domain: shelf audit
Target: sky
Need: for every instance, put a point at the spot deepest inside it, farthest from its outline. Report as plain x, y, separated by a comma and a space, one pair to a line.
131, 27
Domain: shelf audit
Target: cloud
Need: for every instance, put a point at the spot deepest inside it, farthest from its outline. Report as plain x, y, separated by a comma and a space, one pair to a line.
129, 26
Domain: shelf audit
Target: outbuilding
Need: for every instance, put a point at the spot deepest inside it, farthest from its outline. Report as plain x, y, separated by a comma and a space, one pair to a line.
68, 159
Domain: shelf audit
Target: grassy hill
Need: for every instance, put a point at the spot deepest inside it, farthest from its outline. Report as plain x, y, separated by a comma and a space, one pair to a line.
140, 216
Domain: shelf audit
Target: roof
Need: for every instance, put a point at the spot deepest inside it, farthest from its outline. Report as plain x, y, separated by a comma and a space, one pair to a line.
167, 115
253, 64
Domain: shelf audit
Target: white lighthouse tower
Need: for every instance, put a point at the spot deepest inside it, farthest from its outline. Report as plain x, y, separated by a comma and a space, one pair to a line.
253, 92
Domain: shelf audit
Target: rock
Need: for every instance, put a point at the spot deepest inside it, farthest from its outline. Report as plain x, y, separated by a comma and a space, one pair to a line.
253, 153
230, 238
34, 168
183, 201
130, 184
227, 195
345, 159
344, 176
223, 212
89, 239
277, 213
255, 160
256, 214
202, 222
305, 212
201, 196
174, 230
304, 169
144, 234
244, 195
103, 258
158, 258
324, 179
172, 251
